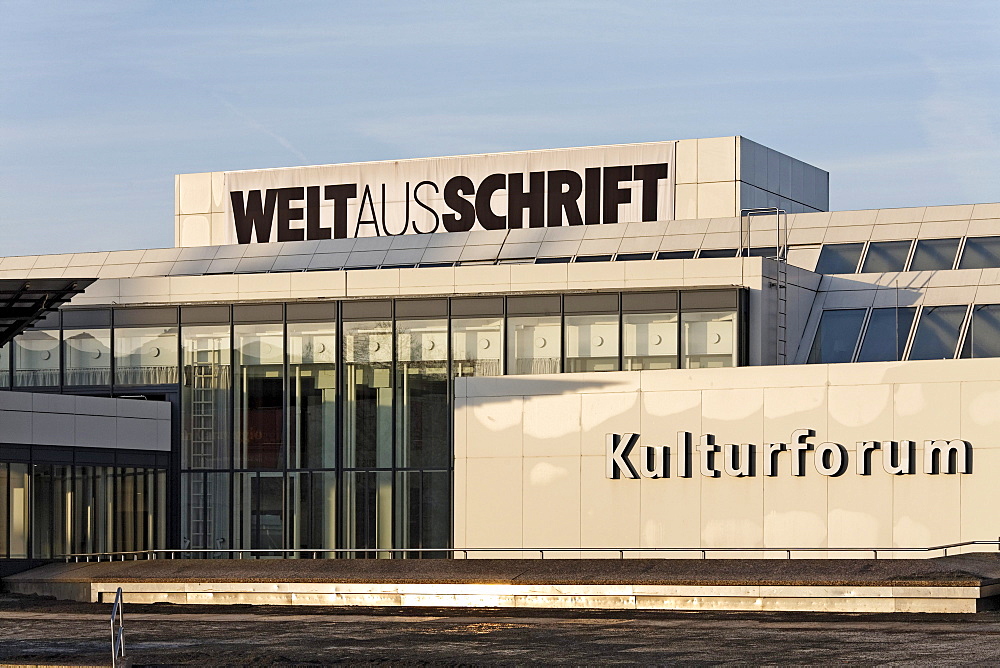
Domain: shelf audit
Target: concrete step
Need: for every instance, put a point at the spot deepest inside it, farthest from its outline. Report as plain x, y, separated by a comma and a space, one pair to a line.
965, 583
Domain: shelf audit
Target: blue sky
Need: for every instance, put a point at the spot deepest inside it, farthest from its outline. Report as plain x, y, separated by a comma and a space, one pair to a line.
102, 102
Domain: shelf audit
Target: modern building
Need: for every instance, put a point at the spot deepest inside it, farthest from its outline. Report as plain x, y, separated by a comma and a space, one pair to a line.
661, 345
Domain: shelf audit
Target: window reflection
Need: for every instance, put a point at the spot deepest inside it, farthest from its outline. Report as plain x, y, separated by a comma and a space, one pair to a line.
312, 379
592, 342
368, 394
983, 338
205, 397
315, 512
937, 332
886, 334
5, 366
87, 355
534, 344
650, 341
709, 339
205, 512
837, 336
259, 359
477, 346
980, 253
49, 510
885, 256
36, 358
839, 258
145, 355
422, 497
423, 416
367, 513
933, 254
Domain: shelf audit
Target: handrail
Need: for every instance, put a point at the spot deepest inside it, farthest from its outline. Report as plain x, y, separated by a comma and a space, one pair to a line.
117, 637
465, 551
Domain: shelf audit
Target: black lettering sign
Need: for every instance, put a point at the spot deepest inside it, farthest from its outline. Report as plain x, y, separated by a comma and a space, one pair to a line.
553, 198
254, 216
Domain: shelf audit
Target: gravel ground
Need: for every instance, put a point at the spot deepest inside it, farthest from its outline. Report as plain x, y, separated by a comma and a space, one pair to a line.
36, 630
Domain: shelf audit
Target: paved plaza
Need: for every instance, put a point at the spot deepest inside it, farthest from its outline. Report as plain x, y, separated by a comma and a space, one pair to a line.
34, 630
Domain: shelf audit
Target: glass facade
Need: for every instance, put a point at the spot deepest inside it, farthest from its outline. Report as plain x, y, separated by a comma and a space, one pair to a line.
837, 336
983, 337
886, 335
937, 332
886, 256
87, 357
36, 358
934, 254
146, 356
50, 509
839, 258
319, 426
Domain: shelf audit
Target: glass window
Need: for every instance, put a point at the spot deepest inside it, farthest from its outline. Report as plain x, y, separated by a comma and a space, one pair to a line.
4, 510
146, 355
592, 258
717, 252
937, 332
315, 512
259, 359
19, 508
709, 339
423, 414
367, 512
677, 255
261, 525
837, 336
983, 338
634, 256
886, 334
980, 253
592, 342
87, 355
534, 344
205, 511
933, 254
312, 395
5, 366
477, 346
839, 258
36, 358
886, 256
368, 405
423, 512
650, 340
205, 395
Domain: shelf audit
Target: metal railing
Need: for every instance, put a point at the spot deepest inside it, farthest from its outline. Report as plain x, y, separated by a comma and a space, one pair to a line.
117, 636
453, 552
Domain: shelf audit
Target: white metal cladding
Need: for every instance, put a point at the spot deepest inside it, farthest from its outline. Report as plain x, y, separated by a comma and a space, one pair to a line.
694, 178
807, 232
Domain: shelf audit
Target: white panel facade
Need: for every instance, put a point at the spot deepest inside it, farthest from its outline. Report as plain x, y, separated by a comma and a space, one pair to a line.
877, 455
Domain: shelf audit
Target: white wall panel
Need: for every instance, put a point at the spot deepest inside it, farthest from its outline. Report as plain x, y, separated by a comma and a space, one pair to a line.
564, 497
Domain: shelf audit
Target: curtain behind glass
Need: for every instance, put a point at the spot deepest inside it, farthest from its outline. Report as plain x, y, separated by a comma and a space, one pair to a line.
87, 356
36, 358
477, 346
145, 355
